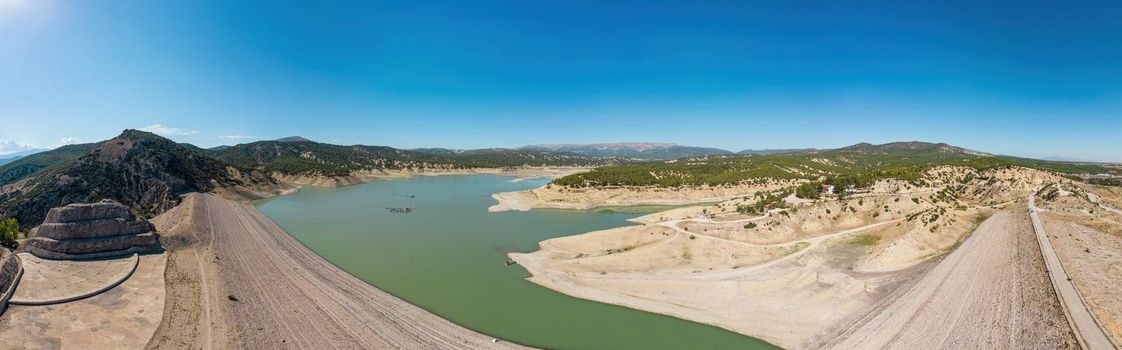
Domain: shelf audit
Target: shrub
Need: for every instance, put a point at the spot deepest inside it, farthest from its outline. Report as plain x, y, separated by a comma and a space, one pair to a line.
9, 232
808, 190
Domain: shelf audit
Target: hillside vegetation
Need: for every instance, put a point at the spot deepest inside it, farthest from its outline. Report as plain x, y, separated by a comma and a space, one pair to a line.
308, 157
859, 165
139, 169
34, 163
643, 151
149, 173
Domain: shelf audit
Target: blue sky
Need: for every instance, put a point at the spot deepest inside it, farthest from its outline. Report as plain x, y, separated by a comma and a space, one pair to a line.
1027, 78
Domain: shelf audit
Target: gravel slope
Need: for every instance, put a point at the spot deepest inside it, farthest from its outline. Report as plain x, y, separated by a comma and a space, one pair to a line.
990, 293
286, 295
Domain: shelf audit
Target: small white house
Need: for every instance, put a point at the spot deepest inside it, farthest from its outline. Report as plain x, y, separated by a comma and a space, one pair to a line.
828, 189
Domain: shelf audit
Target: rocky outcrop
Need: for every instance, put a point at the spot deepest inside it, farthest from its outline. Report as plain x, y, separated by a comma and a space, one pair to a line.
141, 170
9, 274
93, 230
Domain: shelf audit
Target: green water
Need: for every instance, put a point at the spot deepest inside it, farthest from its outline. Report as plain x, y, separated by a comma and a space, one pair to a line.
448, 255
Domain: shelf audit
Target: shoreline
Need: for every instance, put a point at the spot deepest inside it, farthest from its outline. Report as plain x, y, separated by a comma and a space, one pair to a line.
312, 303
532, 265
777, 316
822, 274
554, 197
365, 176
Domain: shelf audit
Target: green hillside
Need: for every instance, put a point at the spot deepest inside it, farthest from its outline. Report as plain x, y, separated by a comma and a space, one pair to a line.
309, 157
33, 164
139, 169
860, 164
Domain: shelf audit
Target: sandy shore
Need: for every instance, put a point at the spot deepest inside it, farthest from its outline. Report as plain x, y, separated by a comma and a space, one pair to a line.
805, 293
556, 197
810, 274
237, 280
781, 293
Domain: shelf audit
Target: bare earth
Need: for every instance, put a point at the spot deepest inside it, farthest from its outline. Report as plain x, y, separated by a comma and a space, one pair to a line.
990, 293
262, 289
1086, 234
124, 317
1093, 258
892, 266
782, 293
556, 197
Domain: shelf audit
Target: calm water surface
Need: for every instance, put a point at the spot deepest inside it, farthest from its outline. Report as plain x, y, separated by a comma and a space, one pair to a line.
448, 255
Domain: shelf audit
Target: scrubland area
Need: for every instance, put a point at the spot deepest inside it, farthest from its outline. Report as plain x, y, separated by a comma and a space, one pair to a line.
829, 272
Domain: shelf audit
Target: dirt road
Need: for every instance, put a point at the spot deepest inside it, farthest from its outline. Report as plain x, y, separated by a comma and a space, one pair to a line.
264, 290
990, 293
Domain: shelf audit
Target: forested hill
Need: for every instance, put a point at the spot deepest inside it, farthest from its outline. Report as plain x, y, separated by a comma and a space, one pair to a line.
32, 164
635, 151
309, 157
139, 169
857, 164
297, 155
148, 172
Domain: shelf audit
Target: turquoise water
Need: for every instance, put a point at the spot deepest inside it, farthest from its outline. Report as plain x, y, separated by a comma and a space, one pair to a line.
448, 255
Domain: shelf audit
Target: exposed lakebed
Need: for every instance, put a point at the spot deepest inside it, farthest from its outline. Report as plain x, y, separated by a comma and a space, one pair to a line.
447, 255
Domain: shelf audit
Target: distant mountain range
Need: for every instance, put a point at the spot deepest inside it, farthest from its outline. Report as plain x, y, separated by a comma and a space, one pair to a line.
630, 150
149, 173
11, 157
765, 152
916, 146
860, 164
292, 139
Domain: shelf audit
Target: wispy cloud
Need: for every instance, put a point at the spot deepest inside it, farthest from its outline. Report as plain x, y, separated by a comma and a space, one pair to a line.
67, 141
237, 137
168, 131
11, 146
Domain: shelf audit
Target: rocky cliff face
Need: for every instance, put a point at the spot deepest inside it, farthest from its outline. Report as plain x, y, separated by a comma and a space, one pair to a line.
138, 169
95, 230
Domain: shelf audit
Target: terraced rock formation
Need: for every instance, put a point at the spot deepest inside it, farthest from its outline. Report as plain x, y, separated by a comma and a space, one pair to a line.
92, 230
9, 274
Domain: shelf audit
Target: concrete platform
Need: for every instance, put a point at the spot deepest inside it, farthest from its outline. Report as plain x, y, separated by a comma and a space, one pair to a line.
47, 282
124, 317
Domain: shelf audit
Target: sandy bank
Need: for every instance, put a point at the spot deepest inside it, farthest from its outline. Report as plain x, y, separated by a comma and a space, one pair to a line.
811, 274
557, 197
237, 280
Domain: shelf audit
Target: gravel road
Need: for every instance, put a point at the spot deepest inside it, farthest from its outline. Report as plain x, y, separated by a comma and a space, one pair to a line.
990, 293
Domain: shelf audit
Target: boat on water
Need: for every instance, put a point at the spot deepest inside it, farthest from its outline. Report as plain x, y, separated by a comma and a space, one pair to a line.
401, 210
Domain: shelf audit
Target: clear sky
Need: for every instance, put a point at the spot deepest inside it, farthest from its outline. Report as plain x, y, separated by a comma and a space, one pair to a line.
1029, 78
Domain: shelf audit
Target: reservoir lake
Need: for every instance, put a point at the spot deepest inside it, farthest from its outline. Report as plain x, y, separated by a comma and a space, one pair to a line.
447, 256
